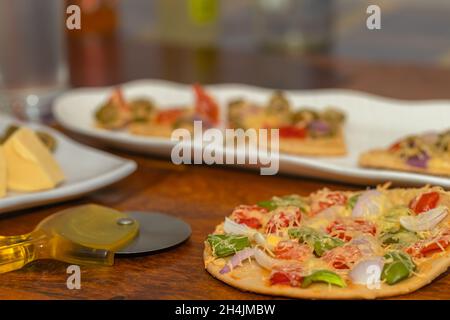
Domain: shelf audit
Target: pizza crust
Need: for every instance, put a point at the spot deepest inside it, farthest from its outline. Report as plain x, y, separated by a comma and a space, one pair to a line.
382, 159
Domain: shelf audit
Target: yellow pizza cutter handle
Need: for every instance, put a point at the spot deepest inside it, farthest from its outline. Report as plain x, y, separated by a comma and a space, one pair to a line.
17, 251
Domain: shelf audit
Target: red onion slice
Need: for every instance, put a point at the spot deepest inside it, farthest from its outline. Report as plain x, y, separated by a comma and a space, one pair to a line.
420, 161
237, 259
319, 126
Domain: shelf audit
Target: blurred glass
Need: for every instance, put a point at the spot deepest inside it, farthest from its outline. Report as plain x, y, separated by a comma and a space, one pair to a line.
295, 25
33, 65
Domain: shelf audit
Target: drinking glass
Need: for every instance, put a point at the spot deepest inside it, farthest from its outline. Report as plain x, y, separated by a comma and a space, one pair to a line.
33, 67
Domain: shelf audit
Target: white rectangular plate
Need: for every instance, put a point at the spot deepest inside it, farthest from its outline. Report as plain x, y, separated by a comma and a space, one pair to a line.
85, 168
372, 122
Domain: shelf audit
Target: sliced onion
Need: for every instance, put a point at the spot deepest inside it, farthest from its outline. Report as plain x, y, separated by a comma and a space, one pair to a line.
237, 259
233, 227
260, 239
424, 221
264, 260
365, 244
367, 272
369, 204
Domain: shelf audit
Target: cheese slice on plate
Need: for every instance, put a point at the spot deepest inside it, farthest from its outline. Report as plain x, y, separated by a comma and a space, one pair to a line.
31, 166
2, 173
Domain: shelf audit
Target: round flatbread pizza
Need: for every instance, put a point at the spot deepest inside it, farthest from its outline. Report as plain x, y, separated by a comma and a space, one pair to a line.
334, 244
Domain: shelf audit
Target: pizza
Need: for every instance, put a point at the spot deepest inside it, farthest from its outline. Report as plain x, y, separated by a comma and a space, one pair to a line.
375, 243
142, 116
303, 131
427, 153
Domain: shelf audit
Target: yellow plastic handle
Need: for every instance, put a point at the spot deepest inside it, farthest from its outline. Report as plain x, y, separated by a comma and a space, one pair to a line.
19, 251
9, 240
65, 250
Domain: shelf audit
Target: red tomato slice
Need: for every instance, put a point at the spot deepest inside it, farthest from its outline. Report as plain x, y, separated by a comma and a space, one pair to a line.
284, 219
365, 226
338, 229
427, 247
291, 275
250, 222
205, 104
395, 146
331, 199
342, 257
293, 132
243, 214
169, 116
341, 229
291, 250
425, 202
435, 247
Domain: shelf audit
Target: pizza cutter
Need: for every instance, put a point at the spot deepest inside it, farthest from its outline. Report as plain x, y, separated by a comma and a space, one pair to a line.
92, 234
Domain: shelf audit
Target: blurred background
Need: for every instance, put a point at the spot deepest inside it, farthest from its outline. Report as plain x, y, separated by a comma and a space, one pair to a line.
273, 43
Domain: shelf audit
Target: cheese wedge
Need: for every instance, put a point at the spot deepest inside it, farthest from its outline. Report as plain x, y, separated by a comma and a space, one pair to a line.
30, 165
2, 173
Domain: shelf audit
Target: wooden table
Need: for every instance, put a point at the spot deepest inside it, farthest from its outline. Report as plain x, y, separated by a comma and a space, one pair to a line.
200, 195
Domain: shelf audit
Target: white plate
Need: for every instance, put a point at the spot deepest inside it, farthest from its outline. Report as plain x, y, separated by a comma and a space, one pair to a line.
372, 122
86, 170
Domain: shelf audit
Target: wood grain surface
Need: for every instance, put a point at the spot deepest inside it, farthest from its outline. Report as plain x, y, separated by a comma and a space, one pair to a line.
200, 195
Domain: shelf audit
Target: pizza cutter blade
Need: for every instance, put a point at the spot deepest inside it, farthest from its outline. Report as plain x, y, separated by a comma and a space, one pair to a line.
157, 232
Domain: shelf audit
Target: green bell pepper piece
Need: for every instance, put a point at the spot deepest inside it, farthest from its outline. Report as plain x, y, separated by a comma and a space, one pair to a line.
398, 267
352, 201
326, 243
304, 234
224, 245
326, 276
290, 200
402, 237
320, 242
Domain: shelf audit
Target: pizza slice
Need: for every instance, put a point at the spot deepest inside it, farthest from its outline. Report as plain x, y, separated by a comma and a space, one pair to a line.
334, 244
428, 153
302, 131
142, 117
